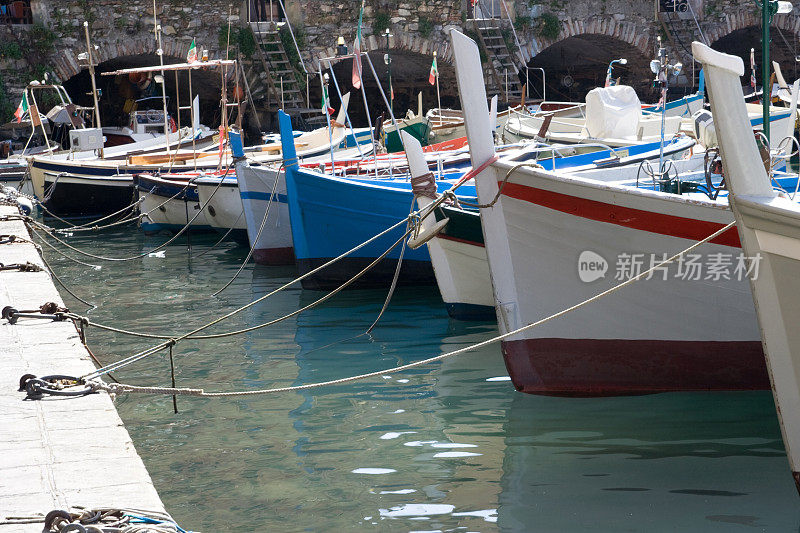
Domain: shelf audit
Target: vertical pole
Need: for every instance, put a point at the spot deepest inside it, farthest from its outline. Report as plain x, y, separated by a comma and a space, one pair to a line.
94, 85
160, 52
389, 65
223, 127
438, 97
191, 115
325, 106
177, 101
766, 92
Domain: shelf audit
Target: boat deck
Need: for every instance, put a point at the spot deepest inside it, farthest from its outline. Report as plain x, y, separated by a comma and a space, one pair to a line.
55, 453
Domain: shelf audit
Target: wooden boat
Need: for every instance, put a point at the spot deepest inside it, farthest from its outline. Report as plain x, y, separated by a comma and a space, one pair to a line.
663, 334
769, 230
102, 186
170, 202
612, 115
458, 252
448, 124
415, 124
331, 214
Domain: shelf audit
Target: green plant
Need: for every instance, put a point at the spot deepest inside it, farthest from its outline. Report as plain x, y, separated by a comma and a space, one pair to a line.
381, 22
10, 50
508, 38
41, 39
288, 44
242, 38
523, 22
424, 26
548, 26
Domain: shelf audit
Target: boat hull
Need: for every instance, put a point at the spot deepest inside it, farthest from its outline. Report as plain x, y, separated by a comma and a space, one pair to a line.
165, 206
77, 196
660, 334
273, 246
224, 210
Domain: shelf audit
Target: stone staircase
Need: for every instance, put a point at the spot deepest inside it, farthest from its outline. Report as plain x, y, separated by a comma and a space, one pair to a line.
500, 64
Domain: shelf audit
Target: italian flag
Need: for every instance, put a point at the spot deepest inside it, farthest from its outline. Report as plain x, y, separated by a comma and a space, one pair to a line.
23, 107
434, 72
326, 108
357, 52
191, 57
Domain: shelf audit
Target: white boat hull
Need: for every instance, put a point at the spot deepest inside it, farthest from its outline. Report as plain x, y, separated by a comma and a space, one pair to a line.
270, 238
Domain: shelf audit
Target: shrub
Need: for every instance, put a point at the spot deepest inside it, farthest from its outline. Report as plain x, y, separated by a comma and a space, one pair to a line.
381, 22
548, 26
425, 26
10, 50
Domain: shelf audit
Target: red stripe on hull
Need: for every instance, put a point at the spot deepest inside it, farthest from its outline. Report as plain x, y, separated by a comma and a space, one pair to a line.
274, 256
595, 367
465, 241
673, 226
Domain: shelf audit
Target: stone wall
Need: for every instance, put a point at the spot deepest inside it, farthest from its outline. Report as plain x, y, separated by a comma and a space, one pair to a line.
123, 29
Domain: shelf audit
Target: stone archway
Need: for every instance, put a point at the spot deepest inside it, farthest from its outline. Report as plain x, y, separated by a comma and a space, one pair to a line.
743, 32
65, 62
577, 64
608, 25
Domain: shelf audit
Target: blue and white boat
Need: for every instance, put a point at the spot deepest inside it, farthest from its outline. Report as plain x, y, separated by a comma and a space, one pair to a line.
330, 215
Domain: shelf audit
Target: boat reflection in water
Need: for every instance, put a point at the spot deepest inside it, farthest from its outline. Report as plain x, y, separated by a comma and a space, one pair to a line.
692, 461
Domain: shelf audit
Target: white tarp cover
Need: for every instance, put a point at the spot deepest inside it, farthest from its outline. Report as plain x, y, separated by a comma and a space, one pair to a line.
613, 112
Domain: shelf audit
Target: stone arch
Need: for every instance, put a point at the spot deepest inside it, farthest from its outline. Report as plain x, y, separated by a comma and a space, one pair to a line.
741, 31
608, 25
575, 65
64, 60
400, 40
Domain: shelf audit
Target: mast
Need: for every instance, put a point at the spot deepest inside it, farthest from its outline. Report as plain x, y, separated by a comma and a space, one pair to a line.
160, 52
94, 84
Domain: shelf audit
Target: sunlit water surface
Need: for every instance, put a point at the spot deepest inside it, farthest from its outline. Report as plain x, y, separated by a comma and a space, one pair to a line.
445, 447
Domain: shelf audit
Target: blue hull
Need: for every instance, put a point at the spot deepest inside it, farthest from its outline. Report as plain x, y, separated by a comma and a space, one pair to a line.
331, 215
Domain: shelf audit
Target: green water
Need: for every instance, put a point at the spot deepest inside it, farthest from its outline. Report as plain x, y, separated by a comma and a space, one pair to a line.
438, 448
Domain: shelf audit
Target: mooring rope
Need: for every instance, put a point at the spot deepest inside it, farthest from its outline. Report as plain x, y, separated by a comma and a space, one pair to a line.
117, 388
258, 235
225, 236
49, 231
192, 334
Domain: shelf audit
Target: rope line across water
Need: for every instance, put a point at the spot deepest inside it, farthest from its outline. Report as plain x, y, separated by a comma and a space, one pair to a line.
117, 388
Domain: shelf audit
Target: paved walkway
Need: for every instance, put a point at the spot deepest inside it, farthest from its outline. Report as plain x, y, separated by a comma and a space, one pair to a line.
55, 453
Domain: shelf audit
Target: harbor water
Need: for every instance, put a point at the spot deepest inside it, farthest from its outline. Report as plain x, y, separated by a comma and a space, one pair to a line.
445, 447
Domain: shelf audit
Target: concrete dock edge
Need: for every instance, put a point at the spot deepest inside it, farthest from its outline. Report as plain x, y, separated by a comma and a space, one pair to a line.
55, 453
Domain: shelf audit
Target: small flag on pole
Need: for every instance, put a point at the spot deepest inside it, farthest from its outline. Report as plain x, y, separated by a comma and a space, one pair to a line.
434, 72
22, 109
191, 57
326, 108
357, 52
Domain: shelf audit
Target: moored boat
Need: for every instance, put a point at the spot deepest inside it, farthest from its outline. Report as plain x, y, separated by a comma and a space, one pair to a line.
769, 230
679, 330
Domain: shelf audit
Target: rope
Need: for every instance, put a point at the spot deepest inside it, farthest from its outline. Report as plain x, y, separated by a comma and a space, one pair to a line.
452, 197
258, 235
191, 334
117, 388
49, 231
225, 236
